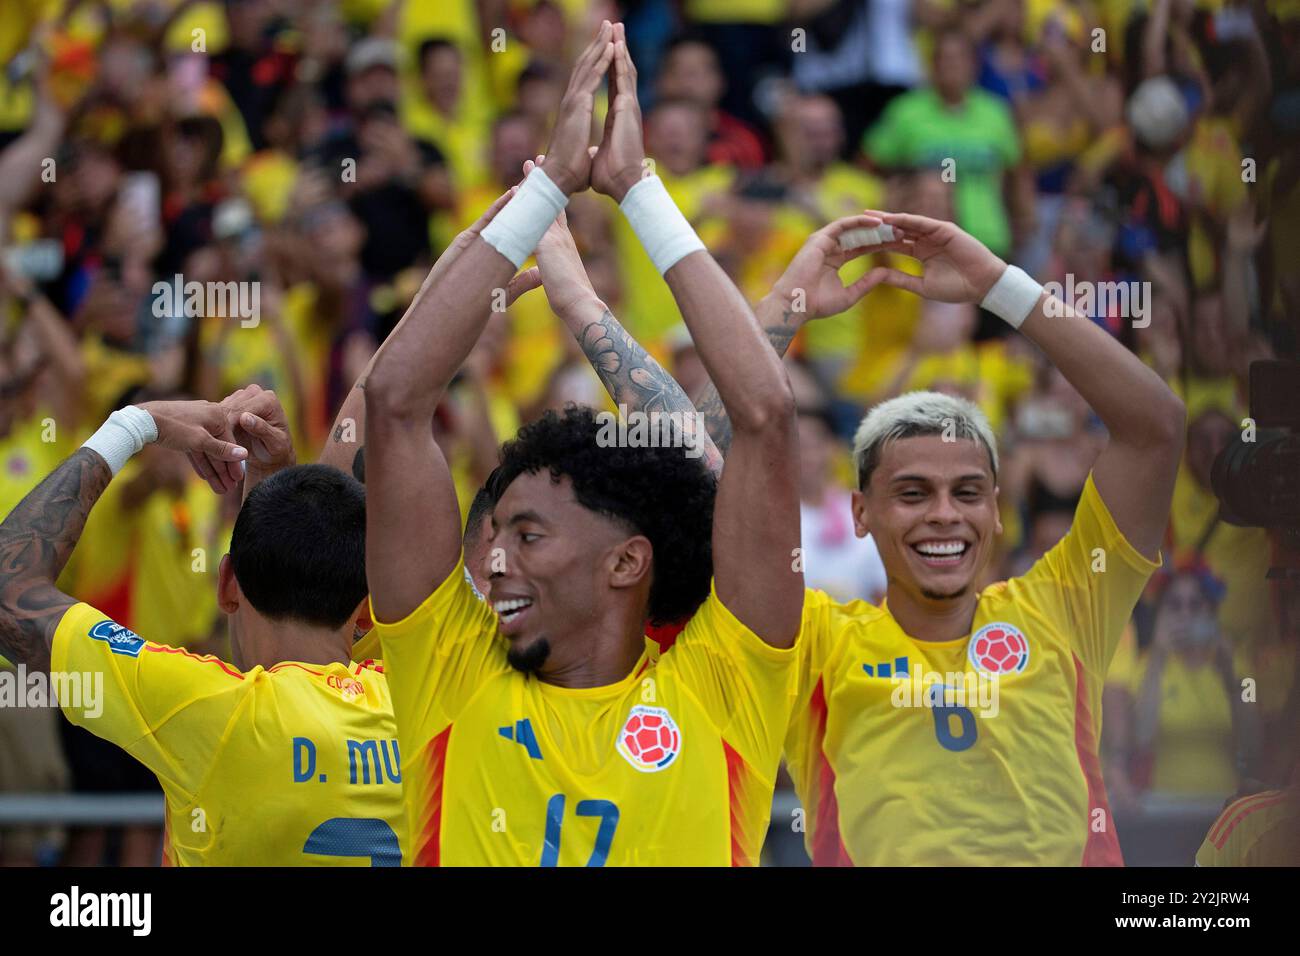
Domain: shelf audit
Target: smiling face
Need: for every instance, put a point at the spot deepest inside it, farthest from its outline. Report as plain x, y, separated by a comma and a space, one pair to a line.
931, 506
555, 567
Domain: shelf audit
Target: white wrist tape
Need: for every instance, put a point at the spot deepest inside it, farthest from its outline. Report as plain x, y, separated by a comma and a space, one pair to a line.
664, 232
515, 230
1013, 296
867, 236
125, 432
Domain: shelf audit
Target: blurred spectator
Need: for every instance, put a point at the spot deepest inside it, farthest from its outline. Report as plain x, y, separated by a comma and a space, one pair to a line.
835, 559
957, 128
1192, 733
858, 52
691, 72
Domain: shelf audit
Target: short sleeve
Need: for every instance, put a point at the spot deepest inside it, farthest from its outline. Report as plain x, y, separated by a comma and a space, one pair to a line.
1097, 576
165, 706
745, 685
438, 656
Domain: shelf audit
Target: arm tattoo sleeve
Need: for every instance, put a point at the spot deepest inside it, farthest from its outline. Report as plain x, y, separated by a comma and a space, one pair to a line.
35, 543
633, 378
710, 403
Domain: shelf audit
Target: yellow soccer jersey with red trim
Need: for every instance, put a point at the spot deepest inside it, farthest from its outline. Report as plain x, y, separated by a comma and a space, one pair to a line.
674, 765
295, 765
1262, 829
1005, 769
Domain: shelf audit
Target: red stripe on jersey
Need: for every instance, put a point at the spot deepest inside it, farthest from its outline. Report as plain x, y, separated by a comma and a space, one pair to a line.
164, 649
735, 780
428, 851
827, 843
1233, 817
665, 635
1101, 849
167, 841
1231, 809
276, 667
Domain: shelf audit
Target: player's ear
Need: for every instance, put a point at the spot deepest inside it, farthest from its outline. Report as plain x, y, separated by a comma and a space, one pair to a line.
997, 511
361, 618
861, 522
632, 560
229, 596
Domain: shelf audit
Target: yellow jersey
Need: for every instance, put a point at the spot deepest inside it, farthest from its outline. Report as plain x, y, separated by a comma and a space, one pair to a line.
985, 750
1262, 829
673, 765
293, 765
1193, 752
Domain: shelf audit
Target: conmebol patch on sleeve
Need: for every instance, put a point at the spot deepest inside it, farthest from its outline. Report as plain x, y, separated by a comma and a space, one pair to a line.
119, 639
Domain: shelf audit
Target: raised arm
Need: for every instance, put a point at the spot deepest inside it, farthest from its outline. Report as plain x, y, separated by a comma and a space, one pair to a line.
38, 536
21, 162
752, 559
1145, 420
345, 448
629, 373
413, 534
810, 288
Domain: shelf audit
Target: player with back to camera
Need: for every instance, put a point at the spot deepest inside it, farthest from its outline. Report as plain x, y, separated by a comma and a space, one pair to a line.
290, 756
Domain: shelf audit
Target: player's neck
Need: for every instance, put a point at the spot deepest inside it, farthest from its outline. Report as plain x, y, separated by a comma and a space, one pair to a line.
597, 656
924, 619
279, 641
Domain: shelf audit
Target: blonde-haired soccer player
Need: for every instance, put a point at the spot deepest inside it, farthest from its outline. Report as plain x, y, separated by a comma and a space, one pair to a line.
953, 725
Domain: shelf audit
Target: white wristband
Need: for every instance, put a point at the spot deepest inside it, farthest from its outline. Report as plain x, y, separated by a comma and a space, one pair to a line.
664, 232
125, 432
1013, 296
516, 229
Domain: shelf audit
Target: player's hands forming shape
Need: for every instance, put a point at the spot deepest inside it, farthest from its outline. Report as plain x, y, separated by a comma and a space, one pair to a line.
814, 271
259, 423
201, 430
568, 159
958, 267
620, 160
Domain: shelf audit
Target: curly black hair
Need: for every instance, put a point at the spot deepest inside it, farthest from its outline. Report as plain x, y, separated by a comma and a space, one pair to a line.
658, 492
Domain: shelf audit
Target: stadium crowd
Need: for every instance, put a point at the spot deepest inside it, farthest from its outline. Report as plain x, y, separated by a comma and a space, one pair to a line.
321, 156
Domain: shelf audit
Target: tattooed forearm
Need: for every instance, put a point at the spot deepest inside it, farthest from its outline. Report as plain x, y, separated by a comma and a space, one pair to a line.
359, 465
35, 542
633, 378
780, 335
628, 372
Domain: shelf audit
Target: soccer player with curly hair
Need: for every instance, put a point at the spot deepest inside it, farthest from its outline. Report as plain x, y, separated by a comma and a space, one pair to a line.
536, 728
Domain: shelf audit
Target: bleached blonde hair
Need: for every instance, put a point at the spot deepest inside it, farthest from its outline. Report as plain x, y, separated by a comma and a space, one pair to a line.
913, 414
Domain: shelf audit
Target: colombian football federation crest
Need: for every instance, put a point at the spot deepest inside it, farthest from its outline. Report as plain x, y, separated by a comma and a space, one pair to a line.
998, 648
649, 740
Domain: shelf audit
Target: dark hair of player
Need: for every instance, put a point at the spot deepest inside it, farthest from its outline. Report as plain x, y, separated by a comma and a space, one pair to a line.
480, 510
298, 549
656, 492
